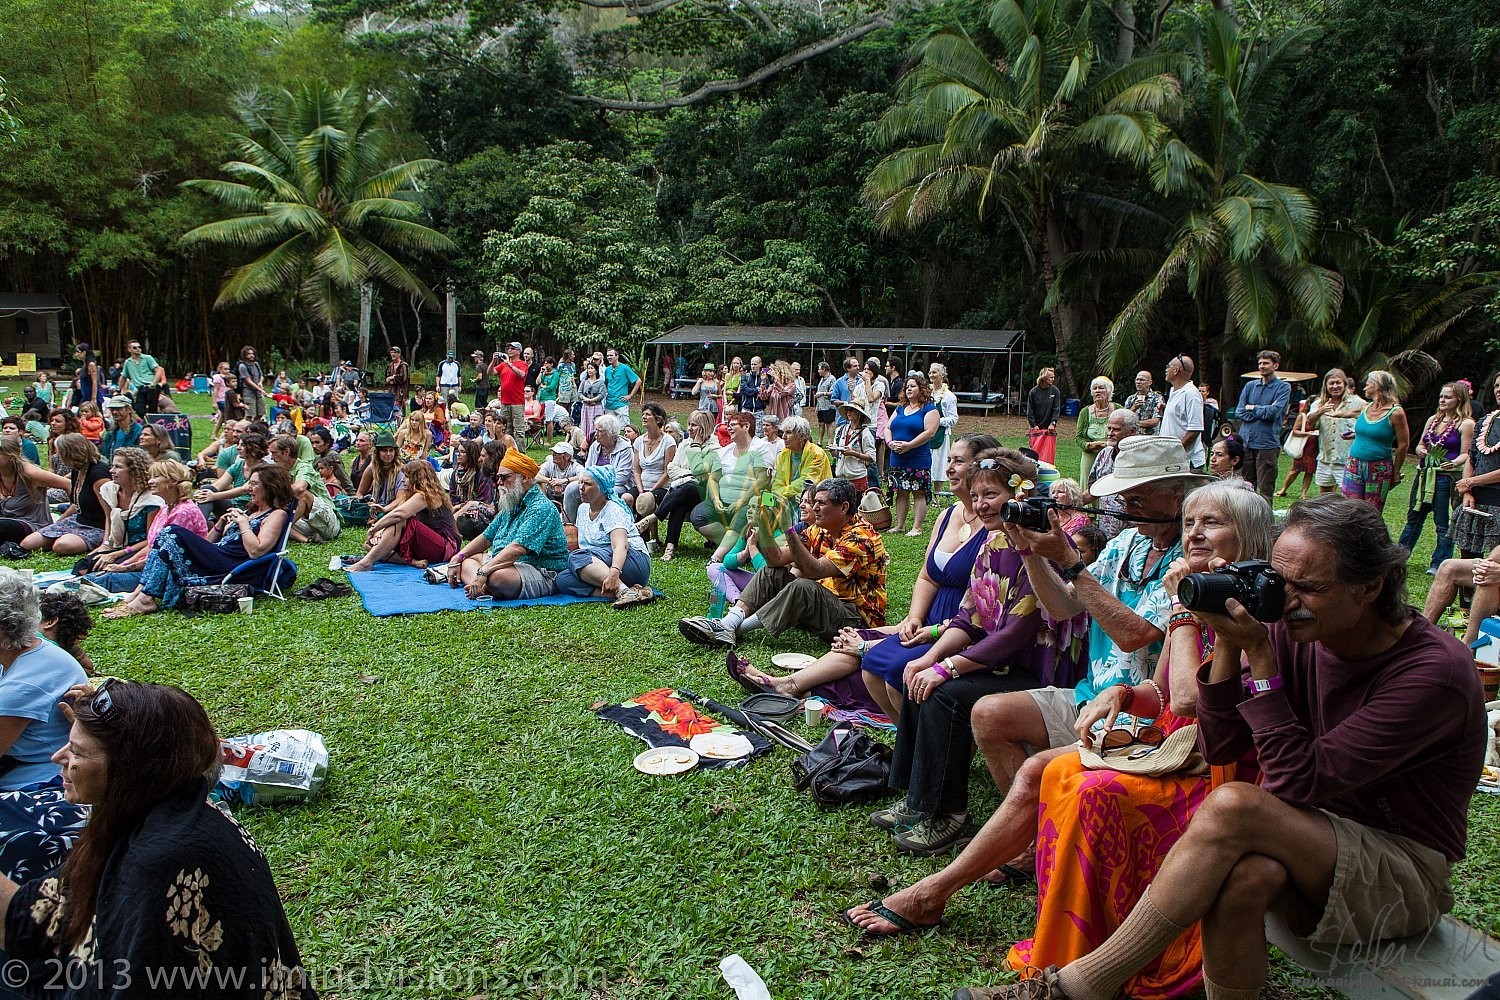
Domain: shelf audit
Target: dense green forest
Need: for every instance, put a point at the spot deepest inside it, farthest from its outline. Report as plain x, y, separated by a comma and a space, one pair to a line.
1121, 179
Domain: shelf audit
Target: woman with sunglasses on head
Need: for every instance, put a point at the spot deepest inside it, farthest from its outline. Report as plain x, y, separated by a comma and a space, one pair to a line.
162, 882
1090, 877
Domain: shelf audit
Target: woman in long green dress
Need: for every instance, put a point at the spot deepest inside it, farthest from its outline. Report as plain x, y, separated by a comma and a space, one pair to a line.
1092, 422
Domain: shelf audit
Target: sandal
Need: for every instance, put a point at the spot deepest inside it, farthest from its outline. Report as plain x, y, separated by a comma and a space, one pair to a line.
737, 673
668, 552
890, 916
631, 596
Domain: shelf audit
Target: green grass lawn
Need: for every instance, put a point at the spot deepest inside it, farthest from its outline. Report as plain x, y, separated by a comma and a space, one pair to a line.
483, 834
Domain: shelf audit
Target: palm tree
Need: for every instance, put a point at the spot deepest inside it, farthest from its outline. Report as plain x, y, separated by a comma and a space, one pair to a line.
1243, 243
315, 190
1019, 131
1391, 315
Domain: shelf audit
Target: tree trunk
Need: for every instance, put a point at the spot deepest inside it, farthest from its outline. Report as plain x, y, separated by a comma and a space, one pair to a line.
333, 346
1229, 375
365, 292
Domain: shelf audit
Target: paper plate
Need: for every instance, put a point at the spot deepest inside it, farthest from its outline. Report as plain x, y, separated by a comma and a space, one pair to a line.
666, 760
792, 661
721, 746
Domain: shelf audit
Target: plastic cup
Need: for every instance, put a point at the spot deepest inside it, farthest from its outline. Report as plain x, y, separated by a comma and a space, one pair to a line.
812, 711
247, 605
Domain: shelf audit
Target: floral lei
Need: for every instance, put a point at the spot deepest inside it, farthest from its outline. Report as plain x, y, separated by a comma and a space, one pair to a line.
1485, 448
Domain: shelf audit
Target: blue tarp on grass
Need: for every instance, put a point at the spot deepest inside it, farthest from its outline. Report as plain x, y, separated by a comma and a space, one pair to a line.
389, 589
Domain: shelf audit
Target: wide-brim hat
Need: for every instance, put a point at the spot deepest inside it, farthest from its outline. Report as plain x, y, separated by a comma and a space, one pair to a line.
847, 407
1143, 460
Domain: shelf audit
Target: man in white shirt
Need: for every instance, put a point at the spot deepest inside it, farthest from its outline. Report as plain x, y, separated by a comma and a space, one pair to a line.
1183, 416
450, 376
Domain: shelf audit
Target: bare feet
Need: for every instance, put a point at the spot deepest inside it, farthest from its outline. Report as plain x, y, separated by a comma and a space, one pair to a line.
138, 605
418, 563
909, 903
359, 567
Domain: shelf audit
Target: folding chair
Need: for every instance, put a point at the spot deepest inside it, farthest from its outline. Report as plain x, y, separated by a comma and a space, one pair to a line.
271, 573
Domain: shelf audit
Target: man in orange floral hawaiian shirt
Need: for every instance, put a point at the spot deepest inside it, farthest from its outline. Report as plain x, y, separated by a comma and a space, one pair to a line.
839, 579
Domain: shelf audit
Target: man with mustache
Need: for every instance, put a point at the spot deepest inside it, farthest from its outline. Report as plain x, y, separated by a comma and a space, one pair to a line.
1369, 726
525, 542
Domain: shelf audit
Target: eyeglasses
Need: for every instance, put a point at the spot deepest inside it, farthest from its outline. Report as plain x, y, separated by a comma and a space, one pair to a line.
102, 705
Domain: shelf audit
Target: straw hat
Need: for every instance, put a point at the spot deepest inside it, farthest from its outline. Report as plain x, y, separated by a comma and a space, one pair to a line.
847, 407
1146, 459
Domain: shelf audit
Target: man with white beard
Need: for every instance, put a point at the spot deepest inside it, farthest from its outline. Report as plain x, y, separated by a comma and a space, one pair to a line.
525, 544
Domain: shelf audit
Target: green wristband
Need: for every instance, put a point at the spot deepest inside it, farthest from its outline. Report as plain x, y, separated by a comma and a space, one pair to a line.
936, 631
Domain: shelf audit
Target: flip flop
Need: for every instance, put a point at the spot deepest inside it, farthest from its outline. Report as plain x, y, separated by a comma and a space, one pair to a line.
1010, 877
890, 916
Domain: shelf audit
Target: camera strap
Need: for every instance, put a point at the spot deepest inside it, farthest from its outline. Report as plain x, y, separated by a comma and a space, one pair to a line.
1120, 515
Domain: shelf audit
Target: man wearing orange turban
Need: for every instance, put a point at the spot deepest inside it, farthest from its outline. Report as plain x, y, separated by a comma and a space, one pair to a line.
525, 544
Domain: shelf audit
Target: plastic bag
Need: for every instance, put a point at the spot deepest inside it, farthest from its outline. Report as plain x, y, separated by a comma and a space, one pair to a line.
283, 765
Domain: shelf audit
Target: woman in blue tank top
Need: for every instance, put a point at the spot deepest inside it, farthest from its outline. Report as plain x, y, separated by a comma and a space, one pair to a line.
1381, 440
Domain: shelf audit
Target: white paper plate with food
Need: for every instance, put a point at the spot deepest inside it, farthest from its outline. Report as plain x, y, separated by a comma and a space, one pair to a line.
666, 760
721, 746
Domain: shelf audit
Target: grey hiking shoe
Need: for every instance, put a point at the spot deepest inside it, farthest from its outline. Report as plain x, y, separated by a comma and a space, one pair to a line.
1042, 986
706, 631
936, 835
898, 817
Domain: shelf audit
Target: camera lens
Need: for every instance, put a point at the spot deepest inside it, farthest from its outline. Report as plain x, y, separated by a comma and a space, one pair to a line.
1209, 591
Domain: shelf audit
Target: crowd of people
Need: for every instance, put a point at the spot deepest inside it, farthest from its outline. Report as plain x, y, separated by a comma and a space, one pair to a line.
1062, 652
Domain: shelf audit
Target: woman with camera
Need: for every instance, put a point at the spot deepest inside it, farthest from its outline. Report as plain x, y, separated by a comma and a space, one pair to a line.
1102, 834
1001, 639
162, 883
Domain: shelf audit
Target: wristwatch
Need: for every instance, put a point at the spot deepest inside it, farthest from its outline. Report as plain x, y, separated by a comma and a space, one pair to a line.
1071, 573
1260, 685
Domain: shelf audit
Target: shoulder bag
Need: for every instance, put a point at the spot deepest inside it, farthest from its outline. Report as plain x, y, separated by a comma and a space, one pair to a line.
846, 768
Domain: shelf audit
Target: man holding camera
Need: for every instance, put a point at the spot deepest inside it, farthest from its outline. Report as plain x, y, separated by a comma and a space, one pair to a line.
1369, 727
1128, 606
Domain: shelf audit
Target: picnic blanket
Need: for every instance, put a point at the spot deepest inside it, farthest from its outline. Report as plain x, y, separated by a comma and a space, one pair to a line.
661, 718
389, 589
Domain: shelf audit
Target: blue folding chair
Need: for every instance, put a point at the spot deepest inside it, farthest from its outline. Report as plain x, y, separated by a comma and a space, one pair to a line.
270, 574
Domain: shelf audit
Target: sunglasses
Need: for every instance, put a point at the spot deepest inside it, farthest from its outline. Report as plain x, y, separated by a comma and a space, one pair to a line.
102, 705
1122, 737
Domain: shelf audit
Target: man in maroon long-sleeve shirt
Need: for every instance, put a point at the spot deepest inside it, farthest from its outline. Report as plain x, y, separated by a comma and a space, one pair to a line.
1369, 726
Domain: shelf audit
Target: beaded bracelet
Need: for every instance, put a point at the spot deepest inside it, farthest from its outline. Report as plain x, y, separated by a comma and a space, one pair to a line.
1181, 616
1179, 625
1161, 699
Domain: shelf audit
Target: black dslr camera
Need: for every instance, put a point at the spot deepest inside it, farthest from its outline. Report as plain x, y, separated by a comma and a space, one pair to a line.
1253, 583
1030, 512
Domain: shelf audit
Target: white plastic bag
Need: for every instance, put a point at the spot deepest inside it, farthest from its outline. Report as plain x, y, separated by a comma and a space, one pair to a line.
283, 765
747, 985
